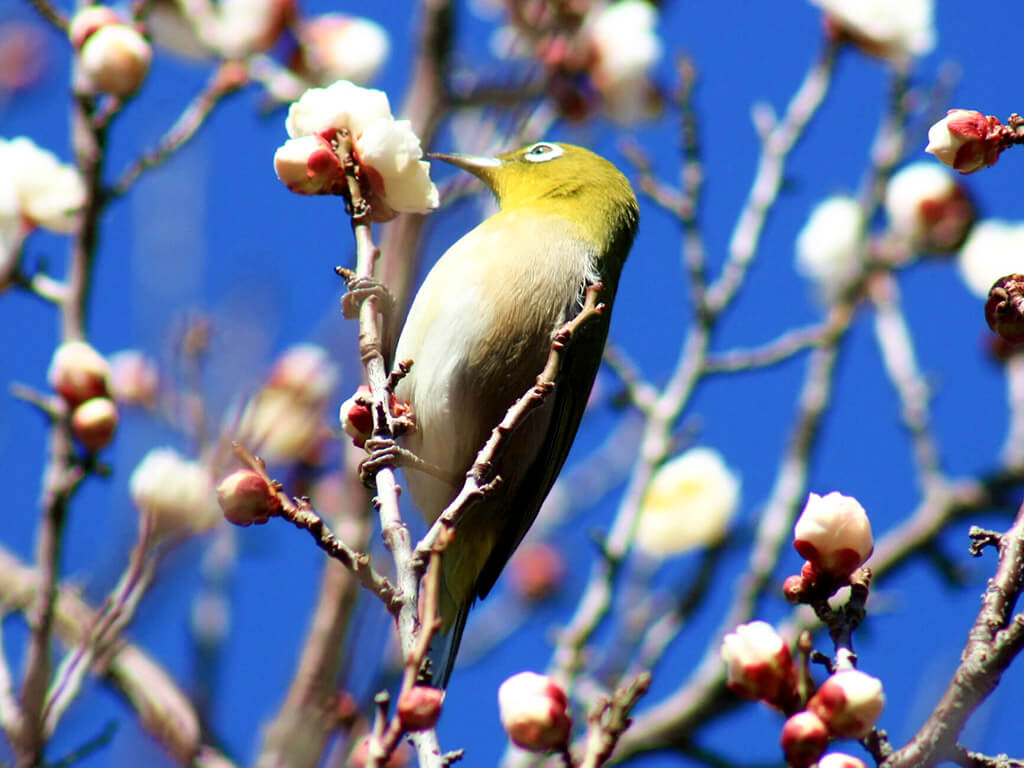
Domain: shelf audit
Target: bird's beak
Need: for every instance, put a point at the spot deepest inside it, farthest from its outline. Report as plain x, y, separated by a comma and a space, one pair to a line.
481, 167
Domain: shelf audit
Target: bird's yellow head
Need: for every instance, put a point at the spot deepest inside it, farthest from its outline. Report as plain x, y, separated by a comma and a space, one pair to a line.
564, 179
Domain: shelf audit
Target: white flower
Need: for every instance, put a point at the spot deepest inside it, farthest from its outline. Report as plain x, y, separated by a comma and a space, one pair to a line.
889, 28
306, 371
627, 46
48, 193
849, 703
534, 712
115, 59
688, 503
346, 47
833, 533
387, 150
244, 26
911, 189
758, 664
993, 249
177, 494
828, 248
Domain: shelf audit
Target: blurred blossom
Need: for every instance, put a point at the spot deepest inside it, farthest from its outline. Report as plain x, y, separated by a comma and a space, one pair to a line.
241, 27
419, 707
246, 498
689, 503
840, 760
388, 152
22, 55
926, 206
804, 738
536, 570
176, 493
94, 422
759, 665
967, 140
78, 372
115, 59
828, 248
210, 618
134, 378
345, 47
284, 421
993, 249
47, 192
833, 533
1004, 310
627, 47
884, 28
849, 703
534, 712
88, 20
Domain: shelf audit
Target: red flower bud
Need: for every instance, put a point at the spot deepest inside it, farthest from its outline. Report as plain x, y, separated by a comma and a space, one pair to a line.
804, 738
246, 498
420, 707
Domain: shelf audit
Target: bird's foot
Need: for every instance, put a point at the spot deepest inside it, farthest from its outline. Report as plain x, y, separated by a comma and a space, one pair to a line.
385, 452
359, 290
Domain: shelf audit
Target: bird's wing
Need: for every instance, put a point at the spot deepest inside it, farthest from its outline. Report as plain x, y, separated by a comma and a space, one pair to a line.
582, 360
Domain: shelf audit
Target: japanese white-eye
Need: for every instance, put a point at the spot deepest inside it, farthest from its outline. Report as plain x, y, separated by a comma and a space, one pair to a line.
479, 332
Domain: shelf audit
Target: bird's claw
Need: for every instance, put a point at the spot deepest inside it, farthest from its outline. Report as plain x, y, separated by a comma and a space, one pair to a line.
359, 290
383, 452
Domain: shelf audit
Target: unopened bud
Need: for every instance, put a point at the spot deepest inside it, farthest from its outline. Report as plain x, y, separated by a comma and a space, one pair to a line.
1004, 310
839, 760
88, 20
359, 757
356, 417
115, 59
94, 422
246, 498
78, 372
420, 707
309, 166
534, 712
926, 205
849, 703
536, 570
804, 738
966, 140
759, 665
833, 534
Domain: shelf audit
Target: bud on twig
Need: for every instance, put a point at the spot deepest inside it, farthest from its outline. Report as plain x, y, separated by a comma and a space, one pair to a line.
849, 703
967, 140
759, 664
94, 422
246, 498
1004, 310
78, 373
804, 738
833, 534
419, 708
534, 712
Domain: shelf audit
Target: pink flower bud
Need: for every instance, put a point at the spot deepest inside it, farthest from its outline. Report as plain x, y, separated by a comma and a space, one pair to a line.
88, 20
360, 754
356, 418
966, 140
115, 60
804, 738
759, 664
536, 570
420, 707
78, 372
833, 534
94, 422
308, 166
246, 498
849, 703
134, 378
839, 760
534, 712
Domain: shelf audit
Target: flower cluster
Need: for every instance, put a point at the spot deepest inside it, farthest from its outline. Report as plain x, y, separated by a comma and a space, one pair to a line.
889, 30
394, 178
81, 377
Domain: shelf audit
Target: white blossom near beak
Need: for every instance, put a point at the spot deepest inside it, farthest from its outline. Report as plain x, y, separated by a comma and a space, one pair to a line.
388, 152
345, 47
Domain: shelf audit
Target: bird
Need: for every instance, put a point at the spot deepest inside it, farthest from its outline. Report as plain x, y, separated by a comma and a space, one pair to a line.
479, 332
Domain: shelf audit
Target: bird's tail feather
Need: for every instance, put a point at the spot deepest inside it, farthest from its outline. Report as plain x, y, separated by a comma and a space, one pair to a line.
445, 647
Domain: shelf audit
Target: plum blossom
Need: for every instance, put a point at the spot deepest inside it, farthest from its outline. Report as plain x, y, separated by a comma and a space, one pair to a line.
387, 151
759, 665
689, 503
534, 712
890, 30
627, 48
966, 140
115, 59
849, 703
804, 738
44, 191
828, 248
176, 493
833, 533
344, 47
926, 206
993, 249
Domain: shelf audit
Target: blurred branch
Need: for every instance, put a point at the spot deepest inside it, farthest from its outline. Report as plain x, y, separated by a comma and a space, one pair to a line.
52, 14
785, 346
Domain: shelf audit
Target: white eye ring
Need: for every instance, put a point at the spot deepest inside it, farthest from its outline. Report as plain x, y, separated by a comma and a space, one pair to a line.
541, 152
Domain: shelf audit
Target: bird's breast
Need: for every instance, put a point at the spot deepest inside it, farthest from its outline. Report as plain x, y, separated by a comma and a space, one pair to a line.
479, 331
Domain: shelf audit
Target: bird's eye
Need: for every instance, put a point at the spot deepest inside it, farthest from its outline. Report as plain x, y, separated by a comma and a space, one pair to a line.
542, 152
